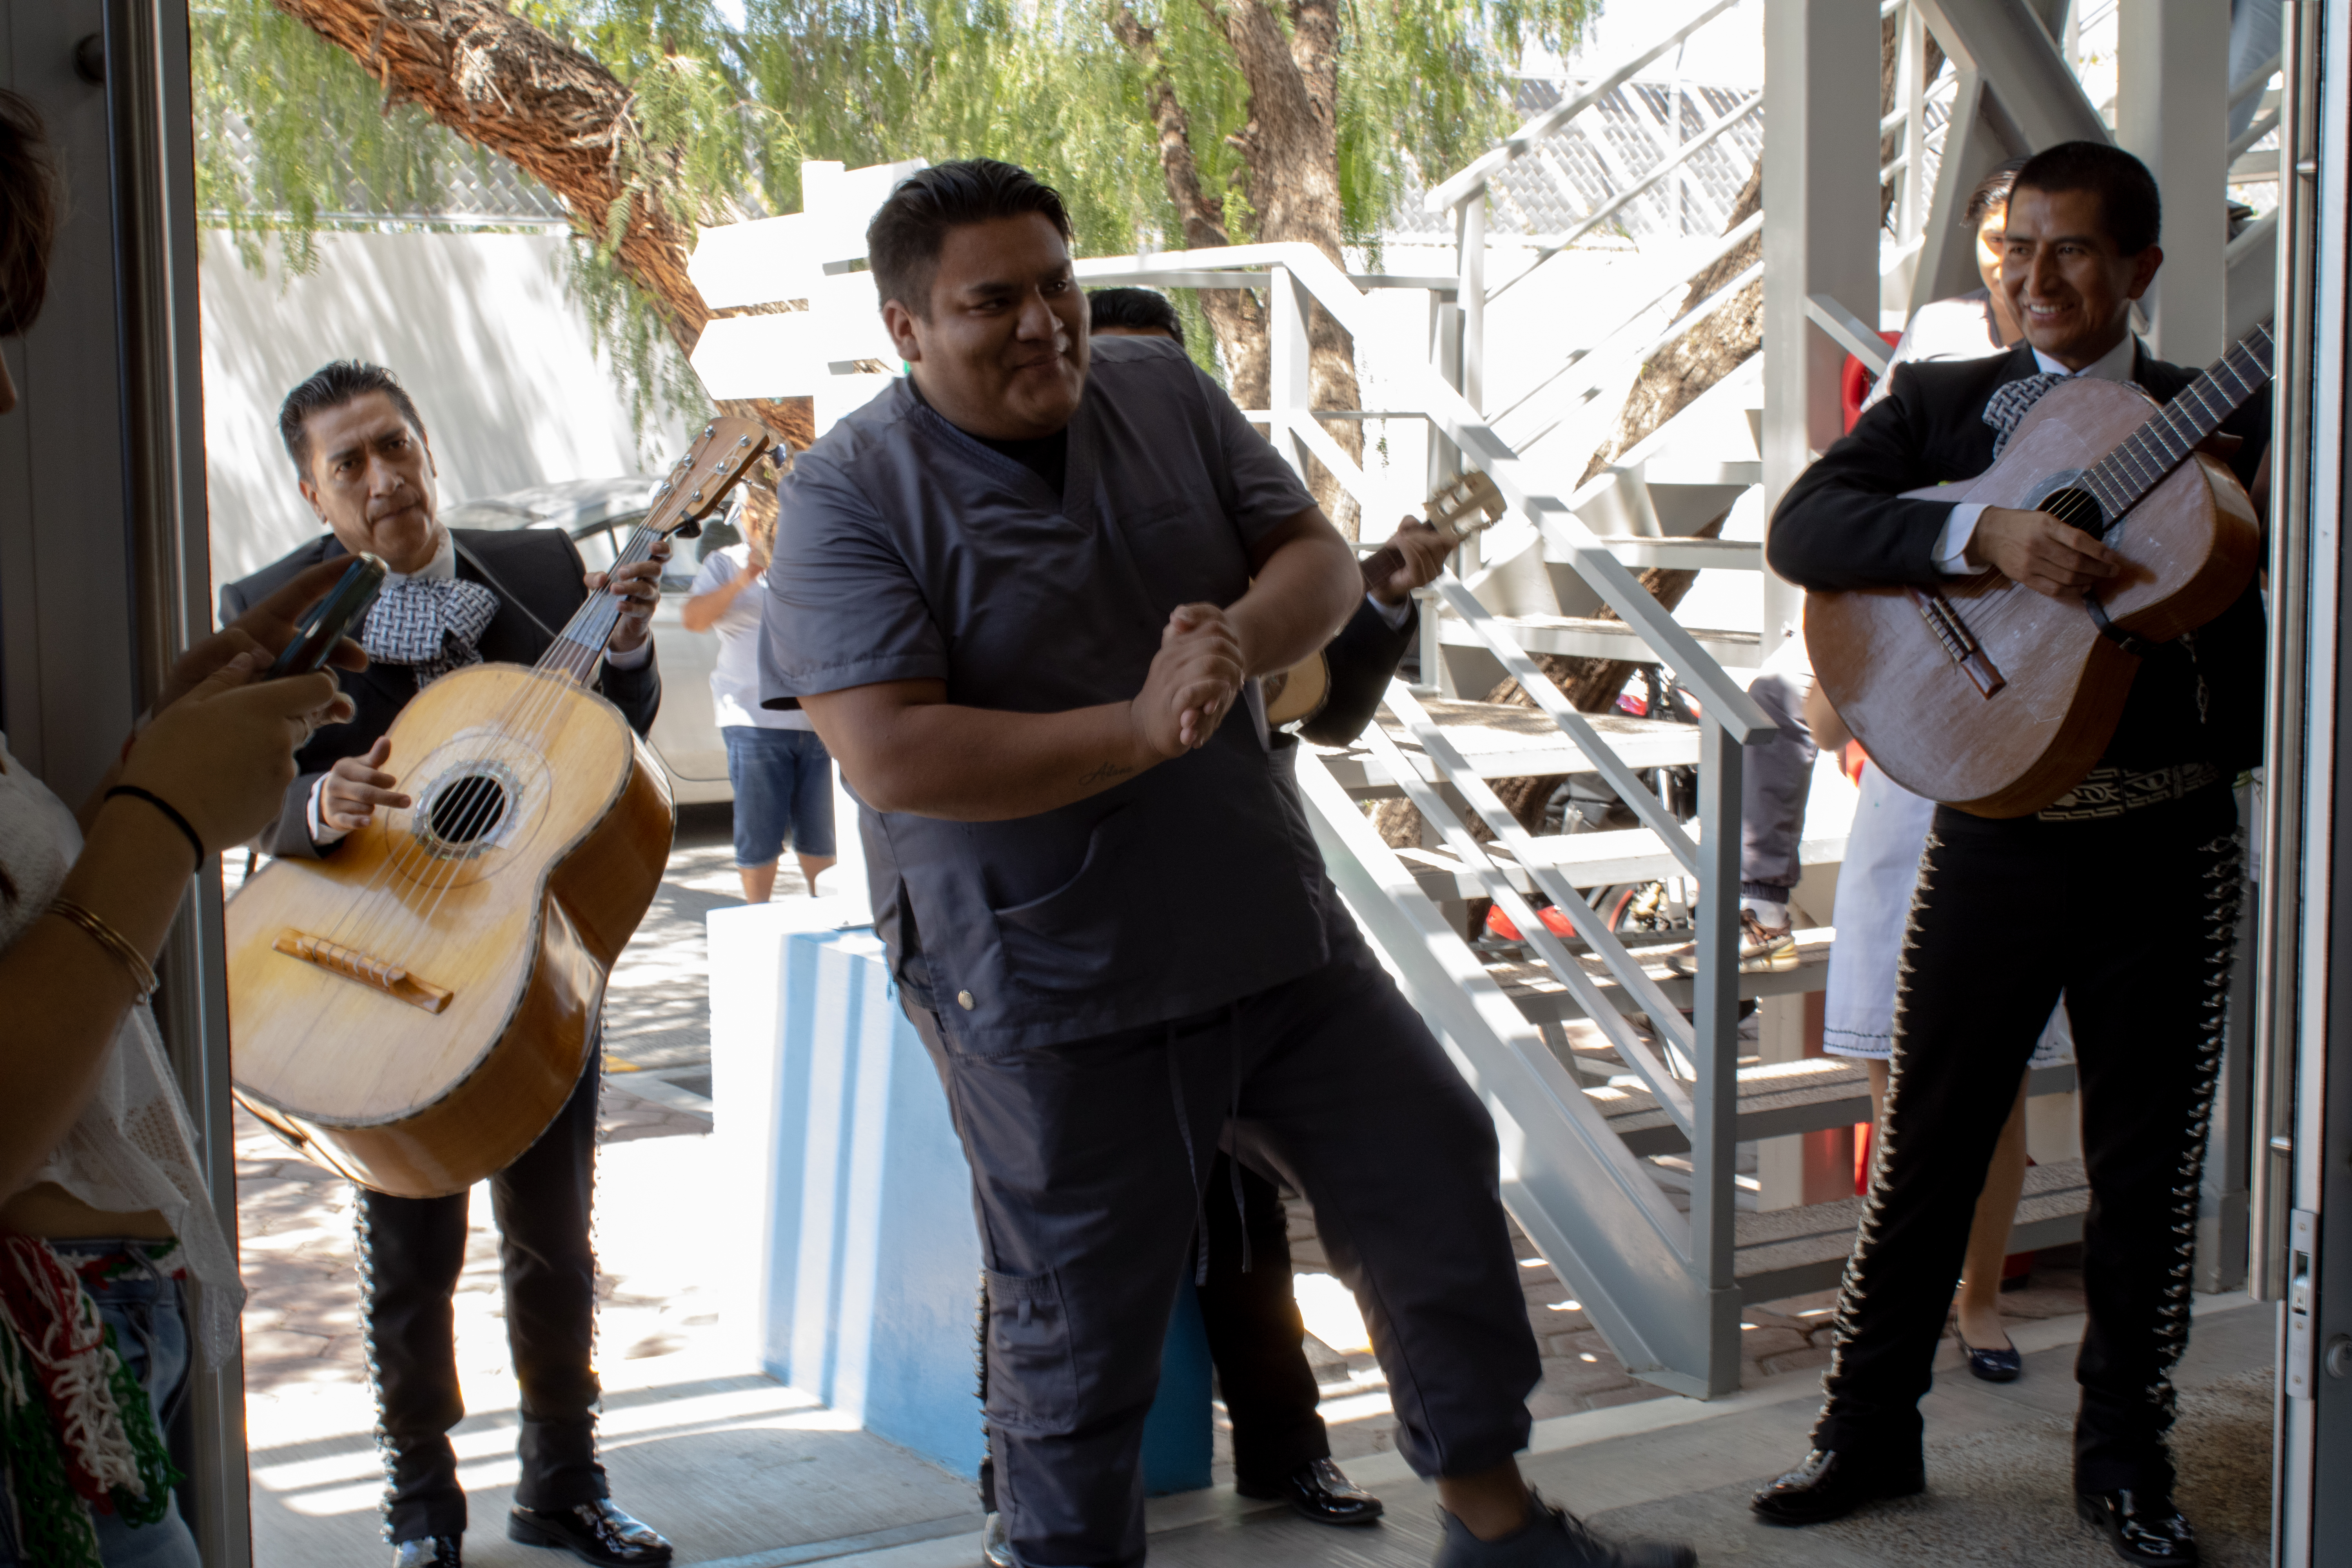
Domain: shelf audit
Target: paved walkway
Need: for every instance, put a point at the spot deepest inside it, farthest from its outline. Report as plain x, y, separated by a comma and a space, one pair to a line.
733, 1466
739, 1470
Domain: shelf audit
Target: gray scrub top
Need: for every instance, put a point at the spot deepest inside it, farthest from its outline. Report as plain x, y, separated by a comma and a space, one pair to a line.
906, 550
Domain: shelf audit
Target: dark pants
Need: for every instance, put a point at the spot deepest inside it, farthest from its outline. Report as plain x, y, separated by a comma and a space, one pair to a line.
2134, 918
411, 1252
1088, 1163
1254, 1328
1255, 1331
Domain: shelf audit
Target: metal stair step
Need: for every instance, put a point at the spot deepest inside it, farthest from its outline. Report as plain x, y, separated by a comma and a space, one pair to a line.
1586, 859
1503, 741
1586, 636
1786, 1252
1541, 998
1776, 1098
1640, 550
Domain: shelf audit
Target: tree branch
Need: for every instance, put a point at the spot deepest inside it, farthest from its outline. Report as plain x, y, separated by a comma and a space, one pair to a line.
506, 86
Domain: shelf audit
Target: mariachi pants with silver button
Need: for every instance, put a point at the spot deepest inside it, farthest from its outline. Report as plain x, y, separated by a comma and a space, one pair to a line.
1088, 1164
411, 1251
2134, 918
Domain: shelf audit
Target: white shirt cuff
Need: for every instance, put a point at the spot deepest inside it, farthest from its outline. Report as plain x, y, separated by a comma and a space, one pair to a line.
320, 833
1394, 615
634, 659
1952, 543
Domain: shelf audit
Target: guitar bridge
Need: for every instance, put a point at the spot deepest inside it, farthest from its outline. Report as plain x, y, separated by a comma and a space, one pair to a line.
352, 964
1953, 632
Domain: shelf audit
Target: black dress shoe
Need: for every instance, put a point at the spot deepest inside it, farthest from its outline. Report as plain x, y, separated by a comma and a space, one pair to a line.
1830, 1485
1994, 1366
433, 1551
2142, 1526
592, 1531
1318, 1491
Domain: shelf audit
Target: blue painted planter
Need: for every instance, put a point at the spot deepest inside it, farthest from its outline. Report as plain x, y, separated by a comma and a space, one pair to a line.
864, 1267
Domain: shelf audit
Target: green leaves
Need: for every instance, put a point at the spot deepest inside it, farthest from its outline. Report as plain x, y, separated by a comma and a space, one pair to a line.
295, 136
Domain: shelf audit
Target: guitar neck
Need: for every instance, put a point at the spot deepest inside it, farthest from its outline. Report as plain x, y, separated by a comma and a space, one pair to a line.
1380, 565
2120, 478
579, 648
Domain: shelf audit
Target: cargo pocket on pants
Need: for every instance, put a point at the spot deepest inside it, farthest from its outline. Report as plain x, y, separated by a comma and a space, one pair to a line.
1033, 1379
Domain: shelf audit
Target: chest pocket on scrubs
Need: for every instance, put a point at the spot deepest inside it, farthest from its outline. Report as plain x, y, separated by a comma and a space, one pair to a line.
1101, 927
1166, 544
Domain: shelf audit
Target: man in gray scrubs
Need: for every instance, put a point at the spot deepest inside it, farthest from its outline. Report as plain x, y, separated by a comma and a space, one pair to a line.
1022, 594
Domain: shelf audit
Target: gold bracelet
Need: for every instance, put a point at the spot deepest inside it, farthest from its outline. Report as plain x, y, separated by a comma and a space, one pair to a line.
143, 973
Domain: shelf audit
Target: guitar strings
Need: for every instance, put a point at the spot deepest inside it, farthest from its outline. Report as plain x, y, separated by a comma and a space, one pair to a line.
586, 634
407, 857
527, 716
552, 705
2118, 483
544, 714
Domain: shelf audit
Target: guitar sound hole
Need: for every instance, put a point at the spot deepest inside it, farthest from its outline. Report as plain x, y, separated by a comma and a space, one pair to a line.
469, 810
2076, 508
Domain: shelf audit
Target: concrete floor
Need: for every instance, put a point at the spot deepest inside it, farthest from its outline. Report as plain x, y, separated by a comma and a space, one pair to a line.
1677, 1470
740, 1472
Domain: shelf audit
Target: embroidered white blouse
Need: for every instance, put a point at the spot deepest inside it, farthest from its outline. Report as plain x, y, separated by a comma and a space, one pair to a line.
133, 1148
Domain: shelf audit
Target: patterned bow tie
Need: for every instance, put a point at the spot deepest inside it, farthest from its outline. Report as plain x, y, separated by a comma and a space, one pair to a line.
431, 624
2006, 407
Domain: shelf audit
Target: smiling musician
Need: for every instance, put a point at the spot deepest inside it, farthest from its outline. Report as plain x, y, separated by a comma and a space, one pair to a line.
1997, 929
457, 597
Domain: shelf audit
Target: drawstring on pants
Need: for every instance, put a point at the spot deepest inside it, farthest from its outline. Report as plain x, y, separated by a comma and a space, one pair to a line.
1191, 1161
1233, 1164
1191, 1164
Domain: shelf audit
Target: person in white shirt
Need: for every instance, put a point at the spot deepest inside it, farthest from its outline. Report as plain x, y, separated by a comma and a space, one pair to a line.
781, 772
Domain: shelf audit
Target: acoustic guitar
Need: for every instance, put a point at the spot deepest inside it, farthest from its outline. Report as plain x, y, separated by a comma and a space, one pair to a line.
414, 1009
1461, 507
1988, 696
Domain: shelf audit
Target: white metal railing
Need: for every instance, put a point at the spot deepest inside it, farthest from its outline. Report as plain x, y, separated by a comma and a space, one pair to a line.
1576, 1190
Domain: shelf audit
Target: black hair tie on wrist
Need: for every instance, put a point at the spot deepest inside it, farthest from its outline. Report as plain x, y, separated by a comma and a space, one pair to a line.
165, 806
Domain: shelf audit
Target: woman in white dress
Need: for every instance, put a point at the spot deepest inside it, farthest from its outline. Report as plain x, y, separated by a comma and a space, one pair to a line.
1890, 833
106, 1226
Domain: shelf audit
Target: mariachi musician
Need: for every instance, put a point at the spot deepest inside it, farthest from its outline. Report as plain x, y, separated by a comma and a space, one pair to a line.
454, 598
2149, 838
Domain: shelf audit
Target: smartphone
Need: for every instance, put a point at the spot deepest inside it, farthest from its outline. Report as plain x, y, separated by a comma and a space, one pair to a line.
317, 633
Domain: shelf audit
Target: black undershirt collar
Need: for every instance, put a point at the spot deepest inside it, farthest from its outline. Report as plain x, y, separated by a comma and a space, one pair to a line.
1048, 456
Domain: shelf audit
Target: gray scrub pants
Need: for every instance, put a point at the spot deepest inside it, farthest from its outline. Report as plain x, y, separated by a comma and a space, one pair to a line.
1088, 1163
1776, 777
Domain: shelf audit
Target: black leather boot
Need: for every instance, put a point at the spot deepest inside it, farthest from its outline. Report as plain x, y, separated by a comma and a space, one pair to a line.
592, 1531
2142, 1526
1320, 1491
1830, 1485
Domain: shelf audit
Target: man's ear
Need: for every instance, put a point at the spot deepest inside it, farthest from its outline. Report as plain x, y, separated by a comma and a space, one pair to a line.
2144, 268
899, 323
311, 494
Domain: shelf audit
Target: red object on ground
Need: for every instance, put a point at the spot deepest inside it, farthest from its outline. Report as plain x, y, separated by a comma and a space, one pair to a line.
1854, 382
1499, 924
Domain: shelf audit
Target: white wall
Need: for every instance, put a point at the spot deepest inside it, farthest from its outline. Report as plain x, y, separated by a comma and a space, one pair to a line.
476, 326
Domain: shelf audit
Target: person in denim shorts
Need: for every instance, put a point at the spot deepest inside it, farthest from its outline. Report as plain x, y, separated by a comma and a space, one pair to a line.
782, 773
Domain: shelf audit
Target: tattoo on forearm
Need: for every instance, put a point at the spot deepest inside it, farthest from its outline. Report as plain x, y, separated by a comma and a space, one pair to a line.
1105, 773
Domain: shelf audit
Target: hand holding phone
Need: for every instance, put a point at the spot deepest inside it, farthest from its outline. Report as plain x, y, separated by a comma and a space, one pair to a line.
317, 633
